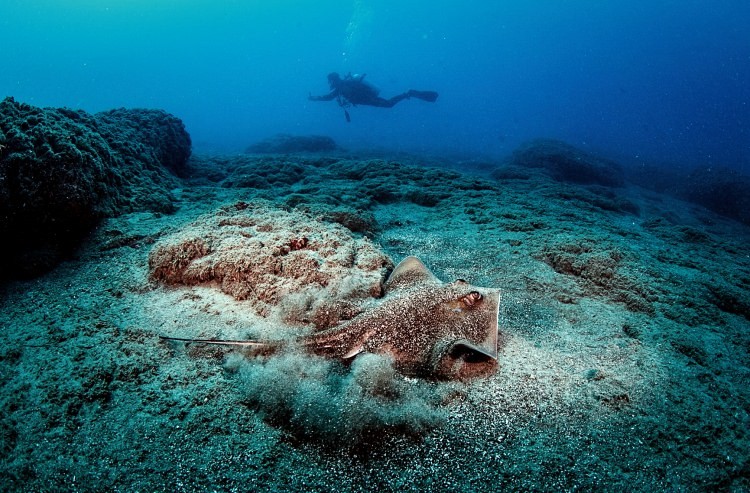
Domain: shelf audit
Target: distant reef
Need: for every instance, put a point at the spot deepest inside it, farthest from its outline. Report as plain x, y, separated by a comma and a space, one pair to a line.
288, 144
63, 170
722, 190
561, 162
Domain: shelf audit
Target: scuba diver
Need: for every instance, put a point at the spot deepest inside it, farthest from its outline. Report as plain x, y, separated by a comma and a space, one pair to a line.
352, 90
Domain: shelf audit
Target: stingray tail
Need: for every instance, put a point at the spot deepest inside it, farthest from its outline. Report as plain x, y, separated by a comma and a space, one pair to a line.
224, 342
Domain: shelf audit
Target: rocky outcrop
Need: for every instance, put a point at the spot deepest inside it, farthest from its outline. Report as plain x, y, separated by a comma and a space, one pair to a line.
62, 170
305, 269
288, 144
722, 190
562, 162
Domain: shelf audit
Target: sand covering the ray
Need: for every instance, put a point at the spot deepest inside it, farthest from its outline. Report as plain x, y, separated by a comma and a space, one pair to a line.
287, 263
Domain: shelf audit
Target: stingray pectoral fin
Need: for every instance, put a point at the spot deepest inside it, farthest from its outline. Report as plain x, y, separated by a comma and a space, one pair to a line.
221, 342
461, 359
354, 352
409, 272
463, 346
491, 326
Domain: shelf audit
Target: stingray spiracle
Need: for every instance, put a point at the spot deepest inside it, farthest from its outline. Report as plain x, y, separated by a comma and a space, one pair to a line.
471, 299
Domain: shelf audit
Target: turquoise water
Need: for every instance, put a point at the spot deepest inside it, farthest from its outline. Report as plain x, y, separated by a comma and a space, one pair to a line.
624, 313
653, 81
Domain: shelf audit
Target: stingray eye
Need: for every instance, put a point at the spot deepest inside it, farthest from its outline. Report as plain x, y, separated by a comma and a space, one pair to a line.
471, 299
462, 281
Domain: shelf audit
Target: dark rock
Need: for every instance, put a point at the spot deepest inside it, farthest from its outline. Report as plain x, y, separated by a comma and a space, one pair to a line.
511, 173
562, 162
695, 354
285, 144
62, 170
154, 138
724, 191
729, 298
632, 332
356, 221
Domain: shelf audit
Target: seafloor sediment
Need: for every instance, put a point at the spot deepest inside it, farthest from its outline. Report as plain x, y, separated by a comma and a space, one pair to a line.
624, 363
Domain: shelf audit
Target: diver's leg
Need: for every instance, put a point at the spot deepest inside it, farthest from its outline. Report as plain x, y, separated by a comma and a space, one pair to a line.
429, 96
389, 103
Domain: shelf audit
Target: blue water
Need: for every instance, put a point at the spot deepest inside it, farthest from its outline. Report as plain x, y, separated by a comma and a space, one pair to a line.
646, 81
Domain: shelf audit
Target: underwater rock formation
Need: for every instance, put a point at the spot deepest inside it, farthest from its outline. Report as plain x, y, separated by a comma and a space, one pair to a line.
562, 162
153, 139
315, 272
62, 170
599, 271
337, 183
285, 144
724, 191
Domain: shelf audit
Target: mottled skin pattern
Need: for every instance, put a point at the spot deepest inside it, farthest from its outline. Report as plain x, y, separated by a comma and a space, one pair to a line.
430, 328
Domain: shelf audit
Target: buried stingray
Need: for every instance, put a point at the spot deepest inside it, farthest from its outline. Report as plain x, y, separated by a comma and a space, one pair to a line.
429, 328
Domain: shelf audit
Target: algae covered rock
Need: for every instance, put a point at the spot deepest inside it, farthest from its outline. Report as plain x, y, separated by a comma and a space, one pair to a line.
286, 144
562, 162
306, 269
62, 170
722, 190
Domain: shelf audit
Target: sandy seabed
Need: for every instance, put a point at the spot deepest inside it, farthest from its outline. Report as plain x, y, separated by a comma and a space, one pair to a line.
624, 323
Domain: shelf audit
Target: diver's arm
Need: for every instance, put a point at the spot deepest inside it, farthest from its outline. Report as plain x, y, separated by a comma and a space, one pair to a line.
328, 97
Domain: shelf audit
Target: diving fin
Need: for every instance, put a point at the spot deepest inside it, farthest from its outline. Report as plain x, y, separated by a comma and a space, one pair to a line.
348, 118
429, 96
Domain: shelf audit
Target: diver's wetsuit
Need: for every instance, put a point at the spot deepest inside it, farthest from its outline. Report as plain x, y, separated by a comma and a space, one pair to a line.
351, 91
